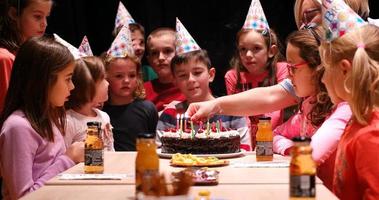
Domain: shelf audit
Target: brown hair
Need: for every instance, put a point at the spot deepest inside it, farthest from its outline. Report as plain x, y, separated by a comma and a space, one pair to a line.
363, 81
158, 33
361, 7
198, 56
34, 73
10, 36
139, 93
88, 72
270, 39
307, 40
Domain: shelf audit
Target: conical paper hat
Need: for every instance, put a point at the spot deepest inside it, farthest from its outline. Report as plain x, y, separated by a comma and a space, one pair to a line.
122, 44
85, 48
123, 17
74, 51
184, 41
338, 18
256, 18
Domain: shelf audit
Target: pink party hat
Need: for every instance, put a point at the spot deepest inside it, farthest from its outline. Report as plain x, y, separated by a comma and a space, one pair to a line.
74, 51
184, 41
338, 18
85, 48
122, 44
123, 17
256, 18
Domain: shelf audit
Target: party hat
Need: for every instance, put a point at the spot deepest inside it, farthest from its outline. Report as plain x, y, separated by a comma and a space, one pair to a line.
338, 18
74, 51
256, 18
123, 17
184, 41
122, 44
85, 48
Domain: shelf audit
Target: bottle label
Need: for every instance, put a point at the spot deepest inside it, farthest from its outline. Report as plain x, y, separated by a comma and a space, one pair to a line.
302, 186
93, 157
264, 148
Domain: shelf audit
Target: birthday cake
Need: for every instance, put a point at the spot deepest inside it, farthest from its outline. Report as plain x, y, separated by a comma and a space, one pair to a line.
214, 139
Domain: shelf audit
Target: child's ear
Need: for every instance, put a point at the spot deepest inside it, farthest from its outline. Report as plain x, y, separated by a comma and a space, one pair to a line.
212, 74
345, 66
272, 51
12, 13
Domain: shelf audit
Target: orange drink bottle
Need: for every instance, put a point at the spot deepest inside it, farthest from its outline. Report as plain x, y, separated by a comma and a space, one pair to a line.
264, 140
93, 149
302, 170
147, 164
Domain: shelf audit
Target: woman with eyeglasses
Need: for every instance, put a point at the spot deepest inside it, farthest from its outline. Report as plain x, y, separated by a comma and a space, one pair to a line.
309, 11
317, 118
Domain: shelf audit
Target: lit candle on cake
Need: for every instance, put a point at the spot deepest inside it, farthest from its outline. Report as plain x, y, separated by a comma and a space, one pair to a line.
181, 123
192, 129
177, 121
185, 117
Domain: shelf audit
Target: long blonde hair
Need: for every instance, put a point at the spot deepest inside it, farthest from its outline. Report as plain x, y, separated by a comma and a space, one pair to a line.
361, 48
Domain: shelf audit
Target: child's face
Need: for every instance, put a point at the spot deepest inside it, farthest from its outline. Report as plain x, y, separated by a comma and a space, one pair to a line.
161, 52
122, 77
101, 95
60, 90
138, 42
33, 20
333, 79
193, 80
253, 52
299, 72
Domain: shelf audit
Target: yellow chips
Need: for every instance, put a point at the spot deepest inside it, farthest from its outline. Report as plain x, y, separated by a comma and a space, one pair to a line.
189, 159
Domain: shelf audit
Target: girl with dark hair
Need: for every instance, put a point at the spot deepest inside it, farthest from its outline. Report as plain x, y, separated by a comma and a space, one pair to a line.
20, 20
33, 121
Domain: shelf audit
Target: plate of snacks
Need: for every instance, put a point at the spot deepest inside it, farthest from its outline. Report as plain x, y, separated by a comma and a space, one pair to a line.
189, 160
200, 176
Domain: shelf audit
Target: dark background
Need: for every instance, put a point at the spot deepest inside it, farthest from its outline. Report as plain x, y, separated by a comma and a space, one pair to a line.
212, 23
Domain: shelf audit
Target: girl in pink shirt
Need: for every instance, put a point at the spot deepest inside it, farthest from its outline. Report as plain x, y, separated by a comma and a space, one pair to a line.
32, 148
316, 118
255, 64
352, 74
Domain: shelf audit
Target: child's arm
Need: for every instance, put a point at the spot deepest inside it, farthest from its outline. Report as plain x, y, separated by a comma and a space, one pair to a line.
325, 140
22, 146
284, 133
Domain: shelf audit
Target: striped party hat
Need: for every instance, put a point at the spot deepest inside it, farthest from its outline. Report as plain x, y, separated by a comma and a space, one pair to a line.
184, 41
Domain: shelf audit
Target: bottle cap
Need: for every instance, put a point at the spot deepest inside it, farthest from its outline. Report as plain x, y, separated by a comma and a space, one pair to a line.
264, 118
301, 139
146, 135
94, 123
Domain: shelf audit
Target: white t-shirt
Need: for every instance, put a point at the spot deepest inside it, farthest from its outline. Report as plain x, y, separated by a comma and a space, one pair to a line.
76, 128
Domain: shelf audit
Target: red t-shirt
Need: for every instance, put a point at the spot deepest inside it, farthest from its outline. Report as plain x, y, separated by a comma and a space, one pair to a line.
356, 174
162, 94
6, 63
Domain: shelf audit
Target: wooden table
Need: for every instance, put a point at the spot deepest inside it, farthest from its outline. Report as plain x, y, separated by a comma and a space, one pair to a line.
234, 183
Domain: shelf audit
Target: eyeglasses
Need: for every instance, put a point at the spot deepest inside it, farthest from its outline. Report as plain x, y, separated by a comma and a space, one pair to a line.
309, 15
292, 67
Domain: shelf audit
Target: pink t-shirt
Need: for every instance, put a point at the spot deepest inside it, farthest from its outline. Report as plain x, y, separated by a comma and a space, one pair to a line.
248, 81
324, 139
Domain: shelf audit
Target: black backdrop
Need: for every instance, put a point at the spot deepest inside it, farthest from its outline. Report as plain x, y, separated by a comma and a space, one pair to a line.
212, 23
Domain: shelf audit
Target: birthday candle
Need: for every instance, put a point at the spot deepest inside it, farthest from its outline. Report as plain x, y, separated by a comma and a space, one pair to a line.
192, 129
217, 126
185, 117
208, 127
181, 123
220, 124
177, 121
